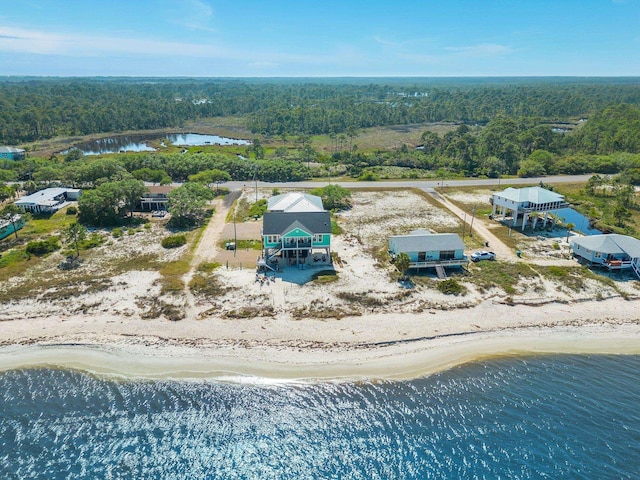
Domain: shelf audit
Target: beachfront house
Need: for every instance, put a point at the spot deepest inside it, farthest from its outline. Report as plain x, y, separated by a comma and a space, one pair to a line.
49, 200
521, 203
156, 198
11, 224
430, 250
612, 251
12, 153
296, 230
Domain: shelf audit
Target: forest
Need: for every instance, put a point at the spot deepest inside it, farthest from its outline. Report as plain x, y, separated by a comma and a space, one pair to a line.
305, 128
40, 108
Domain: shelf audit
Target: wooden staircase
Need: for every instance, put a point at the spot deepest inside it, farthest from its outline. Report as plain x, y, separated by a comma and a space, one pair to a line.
442, 275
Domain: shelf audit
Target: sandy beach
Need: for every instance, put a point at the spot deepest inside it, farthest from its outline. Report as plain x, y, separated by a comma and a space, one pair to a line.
360, 326
376, 346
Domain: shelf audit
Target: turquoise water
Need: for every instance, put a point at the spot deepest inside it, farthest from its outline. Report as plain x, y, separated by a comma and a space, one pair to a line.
525, 418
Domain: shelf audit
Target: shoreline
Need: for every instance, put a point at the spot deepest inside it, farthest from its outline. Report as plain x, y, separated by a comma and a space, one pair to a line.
383, 354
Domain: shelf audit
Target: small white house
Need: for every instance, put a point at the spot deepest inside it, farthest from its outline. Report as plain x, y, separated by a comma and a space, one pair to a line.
48, 200
521, 202
612, 251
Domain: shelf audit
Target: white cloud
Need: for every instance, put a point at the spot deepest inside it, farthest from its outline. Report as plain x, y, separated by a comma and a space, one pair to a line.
193, 14
481, 50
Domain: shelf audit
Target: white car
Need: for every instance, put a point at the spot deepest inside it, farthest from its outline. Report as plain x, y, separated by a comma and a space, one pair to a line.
483, 255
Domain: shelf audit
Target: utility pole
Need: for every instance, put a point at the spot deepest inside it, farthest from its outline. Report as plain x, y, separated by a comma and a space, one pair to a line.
473, 215
255, 179
235, 235
464, 224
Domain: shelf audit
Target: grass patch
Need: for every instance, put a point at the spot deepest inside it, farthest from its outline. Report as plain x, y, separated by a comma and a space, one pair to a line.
251, 312
207, 286
172, 273
243, 244
208, 267
325, 276
451, 286
361, 299
503, 275
174, 241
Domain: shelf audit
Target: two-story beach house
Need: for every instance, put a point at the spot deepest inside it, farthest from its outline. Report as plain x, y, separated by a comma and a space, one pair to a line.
612, 251
296, 230
156, 198
430, 250
520, 203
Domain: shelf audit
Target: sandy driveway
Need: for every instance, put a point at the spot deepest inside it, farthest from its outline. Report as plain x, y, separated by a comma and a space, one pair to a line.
502, 251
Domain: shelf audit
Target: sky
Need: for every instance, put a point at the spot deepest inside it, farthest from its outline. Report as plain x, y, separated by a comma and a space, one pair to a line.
320, 38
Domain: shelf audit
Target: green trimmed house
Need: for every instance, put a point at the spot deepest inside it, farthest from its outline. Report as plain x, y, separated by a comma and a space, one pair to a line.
296, 230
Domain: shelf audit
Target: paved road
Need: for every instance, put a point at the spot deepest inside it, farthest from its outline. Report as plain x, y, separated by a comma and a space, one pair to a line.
422, 184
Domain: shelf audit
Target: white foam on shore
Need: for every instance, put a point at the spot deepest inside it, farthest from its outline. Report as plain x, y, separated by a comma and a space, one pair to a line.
399, 361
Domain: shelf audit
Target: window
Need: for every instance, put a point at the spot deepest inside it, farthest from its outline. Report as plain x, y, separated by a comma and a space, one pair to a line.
273, 238
447, 254
422, 256
317, 238
598, 255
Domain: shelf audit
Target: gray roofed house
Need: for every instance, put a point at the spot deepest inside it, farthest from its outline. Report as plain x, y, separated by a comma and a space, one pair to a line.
429, 250
12, 153
612, 251
521, 202
297, 231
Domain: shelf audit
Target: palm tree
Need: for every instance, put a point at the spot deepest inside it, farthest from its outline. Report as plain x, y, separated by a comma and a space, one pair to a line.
402, 262
570, 226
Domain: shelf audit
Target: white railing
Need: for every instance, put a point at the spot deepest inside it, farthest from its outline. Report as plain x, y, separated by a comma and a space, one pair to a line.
444, 263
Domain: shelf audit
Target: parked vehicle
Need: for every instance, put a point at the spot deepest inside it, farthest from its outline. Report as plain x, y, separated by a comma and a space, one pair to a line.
483, 255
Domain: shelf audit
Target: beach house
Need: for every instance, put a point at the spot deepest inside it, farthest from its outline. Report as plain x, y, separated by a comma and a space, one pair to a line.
156, 198
12, 153
430, 250
612, 251
10, 224
49, 200
521, 203
296, 230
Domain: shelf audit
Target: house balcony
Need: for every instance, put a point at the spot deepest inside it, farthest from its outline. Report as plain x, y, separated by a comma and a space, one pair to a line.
452, 262
617, 264
295, 246
545, 207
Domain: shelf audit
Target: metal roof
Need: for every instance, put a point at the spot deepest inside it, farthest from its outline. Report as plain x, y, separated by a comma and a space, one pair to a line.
295, 202
535, 195
611, 243
279, 223
427, 242
43, 197
11, 150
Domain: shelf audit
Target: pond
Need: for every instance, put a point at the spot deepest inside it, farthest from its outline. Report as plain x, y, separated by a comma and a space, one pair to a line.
138, 142
580, 221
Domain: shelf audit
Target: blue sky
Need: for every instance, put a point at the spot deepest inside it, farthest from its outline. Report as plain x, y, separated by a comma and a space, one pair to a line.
245, 38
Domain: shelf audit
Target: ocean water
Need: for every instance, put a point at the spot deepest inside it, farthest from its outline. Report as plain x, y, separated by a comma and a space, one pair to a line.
566, 416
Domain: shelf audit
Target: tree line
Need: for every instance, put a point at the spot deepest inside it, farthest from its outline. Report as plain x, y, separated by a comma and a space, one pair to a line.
34, 109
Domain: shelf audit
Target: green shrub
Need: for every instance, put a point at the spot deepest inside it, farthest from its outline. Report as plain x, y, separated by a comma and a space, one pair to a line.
131, 231
174, 241
451, 287
72, 210
94, 240
117, 232
42, 247
258, 208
